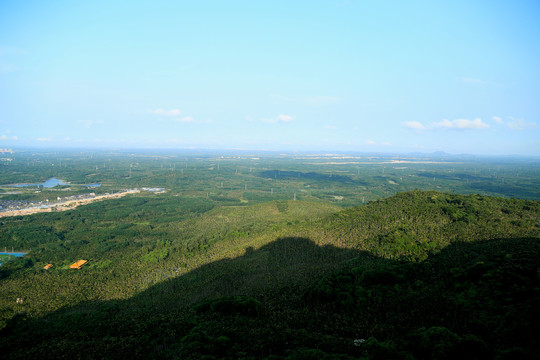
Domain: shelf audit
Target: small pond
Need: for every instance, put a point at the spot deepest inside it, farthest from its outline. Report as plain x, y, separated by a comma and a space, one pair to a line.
6, 256
52, 182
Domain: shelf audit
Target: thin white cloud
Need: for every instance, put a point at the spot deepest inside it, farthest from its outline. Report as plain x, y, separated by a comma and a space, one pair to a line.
520, 124
457, 124
44, 139
86, 123
462, 124
285, 118
515, 124
7, 137
498, 120
386, 143
281, 118
414, 125
162, 112
370, 142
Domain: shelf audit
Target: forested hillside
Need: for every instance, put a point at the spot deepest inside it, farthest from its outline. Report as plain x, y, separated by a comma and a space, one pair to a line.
420, 275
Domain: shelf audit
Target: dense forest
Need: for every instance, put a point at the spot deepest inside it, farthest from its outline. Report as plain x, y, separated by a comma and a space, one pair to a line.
218, 267
418, 275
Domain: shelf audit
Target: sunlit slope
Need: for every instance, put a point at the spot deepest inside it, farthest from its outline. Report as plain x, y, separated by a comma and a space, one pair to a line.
412, 224
129, 251
240, 223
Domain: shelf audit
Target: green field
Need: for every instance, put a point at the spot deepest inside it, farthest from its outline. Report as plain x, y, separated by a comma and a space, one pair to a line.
274, 256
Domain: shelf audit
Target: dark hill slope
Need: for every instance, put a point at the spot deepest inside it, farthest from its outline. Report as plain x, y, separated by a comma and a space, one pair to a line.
420, 275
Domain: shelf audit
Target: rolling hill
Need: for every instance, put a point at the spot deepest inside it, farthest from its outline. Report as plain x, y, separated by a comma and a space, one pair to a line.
420, 275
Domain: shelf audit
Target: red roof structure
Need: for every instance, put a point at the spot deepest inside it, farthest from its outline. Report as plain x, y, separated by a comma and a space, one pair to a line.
78, 264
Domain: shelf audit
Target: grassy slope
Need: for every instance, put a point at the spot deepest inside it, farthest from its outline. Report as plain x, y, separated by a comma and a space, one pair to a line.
366, 273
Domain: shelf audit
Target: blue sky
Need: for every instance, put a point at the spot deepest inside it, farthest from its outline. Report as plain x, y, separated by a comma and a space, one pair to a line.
388, 76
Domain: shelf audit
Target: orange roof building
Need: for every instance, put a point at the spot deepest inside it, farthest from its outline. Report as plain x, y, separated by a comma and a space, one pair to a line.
78, 264
48, 266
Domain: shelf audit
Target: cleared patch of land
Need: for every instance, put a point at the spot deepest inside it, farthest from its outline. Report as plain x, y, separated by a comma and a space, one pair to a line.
67, 205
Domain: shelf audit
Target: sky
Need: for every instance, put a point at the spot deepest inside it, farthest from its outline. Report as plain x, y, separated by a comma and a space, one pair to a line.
367, 76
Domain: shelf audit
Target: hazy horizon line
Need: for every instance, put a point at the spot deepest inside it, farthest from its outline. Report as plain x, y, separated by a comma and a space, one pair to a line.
257, 151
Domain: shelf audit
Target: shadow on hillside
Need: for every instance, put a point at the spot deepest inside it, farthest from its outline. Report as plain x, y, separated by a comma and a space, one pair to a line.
285, 267
315, 176
287, 263
277, 274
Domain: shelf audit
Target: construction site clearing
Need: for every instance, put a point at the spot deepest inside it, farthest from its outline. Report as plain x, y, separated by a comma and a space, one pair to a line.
67, 205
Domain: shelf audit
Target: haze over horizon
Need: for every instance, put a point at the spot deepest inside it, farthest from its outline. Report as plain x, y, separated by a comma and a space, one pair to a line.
389, 76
